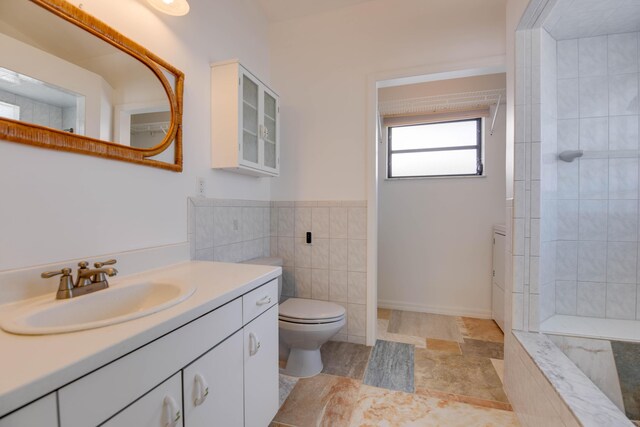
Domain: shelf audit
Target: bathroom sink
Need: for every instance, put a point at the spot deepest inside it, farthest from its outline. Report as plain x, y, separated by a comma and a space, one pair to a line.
117, 304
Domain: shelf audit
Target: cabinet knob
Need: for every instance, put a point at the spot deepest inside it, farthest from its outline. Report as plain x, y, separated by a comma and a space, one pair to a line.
173, 409
201, 390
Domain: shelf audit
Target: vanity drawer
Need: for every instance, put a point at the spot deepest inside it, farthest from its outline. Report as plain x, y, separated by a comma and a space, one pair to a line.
99, 395
259, 300
160, 407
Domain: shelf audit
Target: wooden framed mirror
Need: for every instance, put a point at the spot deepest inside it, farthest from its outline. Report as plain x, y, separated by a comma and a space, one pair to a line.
70, 82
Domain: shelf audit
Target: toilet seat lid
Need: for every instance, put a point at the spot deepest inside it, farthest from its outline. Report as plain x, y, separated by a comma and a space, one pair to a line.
309, 309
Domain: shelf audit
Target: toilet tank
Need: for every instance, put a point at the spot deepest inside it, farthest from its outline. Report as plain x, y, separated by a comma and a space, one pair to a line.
275, 261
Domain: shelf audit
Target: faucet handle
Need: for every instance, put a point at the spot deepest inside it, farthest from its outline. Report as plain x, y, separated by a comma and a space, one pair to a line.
49, 274
103, 263
65, 288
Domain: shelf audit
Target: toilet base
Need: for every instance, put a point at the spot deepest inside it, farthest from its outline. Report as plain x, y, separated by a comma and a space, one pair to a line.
303, 363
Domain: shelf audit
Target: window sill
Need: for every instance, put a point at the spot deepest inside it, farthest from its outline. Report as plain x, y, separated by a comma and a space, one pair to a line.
411, 178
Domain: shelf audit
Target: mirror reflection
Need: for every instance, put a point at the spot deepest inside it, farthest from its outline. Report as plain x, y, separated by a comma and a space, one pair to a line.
55, 74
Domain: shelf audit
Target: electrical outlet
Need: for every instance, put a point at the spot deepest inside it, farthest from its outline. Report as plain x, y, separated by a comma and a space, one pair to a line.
200, 187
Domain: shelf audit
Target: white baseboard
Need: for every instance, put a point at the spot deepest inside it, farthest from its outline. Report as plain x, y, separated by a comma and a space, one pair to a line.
420, 308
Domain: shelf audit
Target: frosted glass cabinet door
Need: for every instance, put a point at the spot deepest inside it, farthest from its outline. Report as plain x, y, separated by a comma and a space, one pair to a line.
213, 386
161, 407
42, 413
261, 369
271, 130
250, 121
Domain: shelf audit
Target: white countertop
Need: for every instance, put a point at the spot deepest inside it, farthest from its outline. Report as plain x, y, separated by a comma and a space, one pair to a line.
33, 366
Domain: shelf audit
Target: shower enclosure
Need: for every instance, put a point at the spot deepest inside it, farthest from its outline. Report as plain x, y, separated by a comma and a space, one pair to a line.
576, 191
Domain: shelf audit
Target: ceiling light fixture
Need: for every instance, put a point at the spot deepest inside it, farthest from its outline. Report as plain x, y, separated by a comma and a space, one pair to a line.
171, 7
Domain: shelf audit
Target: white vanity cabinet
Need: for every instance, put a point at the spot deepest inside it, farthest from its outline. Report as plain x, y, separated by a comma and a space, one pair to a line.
220, 368
214, 385
161, 407
261, 354
42, 413
245, 124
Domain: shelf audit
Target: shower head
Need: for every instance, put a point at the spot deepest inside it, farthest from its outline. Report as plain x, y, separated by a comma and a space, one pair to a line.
570, 155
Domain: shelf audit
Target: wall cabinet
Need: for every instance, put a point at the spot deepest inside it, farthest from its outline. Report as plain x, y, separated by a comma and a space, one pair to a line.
216, 370
245, 123
497, 284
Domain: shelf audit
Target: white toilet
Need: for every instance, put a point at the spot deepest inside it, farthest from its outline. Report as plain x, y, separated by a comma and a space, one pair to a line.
304, 325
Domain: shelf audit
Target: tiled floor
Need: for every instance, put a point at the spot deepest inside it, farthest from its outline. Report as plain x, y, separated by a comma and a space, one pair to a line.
425, 370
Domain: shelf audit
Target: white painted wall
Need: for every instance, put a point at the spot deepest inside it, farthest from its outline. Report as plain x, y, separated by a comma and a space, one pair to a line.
320, 66
57, 206
434, 235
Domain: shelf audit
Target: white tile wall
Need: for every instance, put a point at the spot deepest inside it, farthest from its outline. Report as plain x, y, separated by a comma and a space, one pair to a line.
535, 225
228, 230
333, 266
597, 221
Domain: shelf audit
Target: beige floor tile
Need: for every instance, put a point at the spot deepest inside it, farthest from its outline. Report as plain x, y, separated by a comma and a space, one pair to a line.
442, 345
424, 325
345, 359
480, 329
383, 334
493, 350
384, 313
323, 400
458, 374
386, 408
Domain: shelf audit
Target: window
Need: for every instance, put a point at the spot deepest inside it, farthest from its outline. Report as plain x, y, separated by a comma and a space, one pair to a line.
451, 148
9, 111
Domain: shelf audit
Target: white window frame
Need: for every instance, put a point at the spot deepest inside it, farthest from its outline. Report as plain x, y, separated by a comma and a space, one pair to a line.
408, 122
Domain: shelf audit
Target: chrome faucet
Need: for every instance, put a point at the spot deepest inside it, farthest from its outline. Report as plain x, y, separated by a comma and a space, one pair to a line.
88, 280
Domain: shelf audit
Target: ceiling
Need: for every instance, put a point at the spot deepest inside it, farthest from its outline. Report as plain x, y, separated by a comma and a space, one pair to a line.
571, 19
282, 10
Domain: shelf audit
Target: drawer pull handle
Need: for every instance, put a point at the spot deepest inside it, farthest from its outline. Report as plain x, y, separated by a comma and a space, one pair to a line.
254, 344
263, 301
174, 411
202, 390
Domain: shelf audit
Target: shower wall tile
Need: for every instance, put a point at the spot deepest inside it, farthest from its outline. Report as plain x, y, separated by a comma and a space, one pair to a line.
566, 295
622, 221
567, 54
594, 96
621, 301
623, 94
594, 178
568, 134
601, 253
621, 262
592, 56
623, 132
592, 261
593, 220
568, 219
568, 99
567, 260
623, 178
622, 54
591, 298
594, 134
